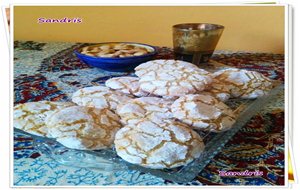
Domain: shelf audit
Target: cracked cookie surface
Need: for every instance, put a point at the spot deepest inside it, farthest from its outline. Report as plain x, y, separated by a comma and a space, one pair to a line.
219, 90
127, 85
243, 83
160, 64
167, 145
84, 128
152, 108
203, 112
172, 78
99, 97
31, 116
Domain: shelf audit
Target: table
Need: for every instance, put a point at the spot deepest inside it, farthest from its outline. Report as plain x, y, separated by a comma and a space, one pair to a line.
50, 71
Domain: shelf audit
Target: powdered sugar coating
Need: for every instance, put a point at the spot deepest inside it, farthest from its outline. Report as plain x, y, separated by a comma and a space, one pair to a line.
243, 83
99, 97
31, 116
167, 145
161, 64
203, 112
127, 85
172, 78
84, 128
219, 90
153, 108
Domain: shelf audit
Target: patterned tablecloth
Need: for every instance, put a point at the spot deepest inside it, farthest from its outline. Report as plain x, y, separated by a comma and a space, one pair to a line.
50, 71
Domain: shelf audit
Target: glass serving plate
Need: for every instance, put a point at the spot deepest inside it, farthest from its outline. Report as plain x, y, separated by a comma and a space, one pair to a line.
108, 161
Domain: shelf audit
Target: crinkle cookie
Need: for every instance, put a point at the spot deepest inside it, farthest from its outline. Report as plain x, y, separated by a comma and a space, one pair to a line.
99, 97
243, 83
167, 145
161, 64
152, 108
84, 128
174, 79
127, 85
219, 90
31, 116
203, 112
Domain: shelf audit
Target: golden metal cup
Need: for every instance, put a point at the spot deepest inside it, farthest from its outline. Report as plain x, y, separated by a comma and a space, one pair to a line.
195, 42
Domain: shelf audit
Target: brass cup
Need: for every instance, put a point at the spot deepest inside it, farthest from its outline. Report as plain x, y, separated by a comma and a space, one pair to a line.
195, 42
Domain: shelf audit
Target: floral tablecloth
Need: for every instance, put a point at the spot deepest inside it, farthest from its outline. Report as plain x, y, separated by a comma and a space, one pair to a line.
50, 71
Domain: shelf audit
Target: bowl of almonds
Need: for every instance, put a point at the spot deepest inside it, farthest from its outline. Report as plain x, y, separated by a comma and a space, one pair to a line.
116, 56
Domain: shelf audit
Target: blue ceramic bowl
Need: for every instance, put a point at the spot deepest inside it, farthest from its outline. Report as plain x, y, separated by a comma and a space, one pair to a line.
117, 64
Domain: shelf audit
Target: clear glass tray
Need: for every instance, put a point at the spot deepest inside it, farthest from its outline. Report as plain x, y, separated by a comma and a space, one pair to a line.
107, 160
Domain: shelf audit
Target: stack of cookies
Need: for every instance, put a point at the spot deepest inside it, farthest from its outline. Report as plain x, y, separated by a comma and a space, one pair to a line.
151, 119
